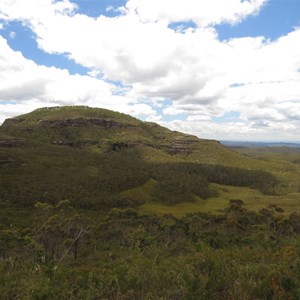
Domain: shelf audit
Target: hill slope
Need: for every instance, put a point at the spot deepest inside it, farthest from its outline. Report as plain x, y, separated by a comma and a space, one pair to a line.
98, 157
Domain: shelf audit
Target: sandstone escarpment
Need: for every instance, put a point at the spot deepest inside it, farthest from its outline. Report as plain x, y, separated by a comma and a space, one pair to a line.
82, 122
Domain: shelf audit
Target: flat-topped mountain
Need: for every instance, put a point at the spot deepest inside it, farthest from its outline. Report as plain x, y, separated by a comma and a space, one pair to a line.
94, 156
82, 126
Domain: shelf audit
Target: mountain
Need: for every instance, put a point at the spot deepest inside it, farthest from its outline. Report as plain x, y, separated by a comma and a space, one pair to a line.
96, 157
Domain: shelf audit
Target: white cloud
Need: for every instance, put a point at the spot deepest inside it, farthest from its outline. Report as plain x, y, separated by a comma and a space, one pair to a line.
238, 130
202, 12
34, 10
201, 75
12, 34
25, 86
110, 8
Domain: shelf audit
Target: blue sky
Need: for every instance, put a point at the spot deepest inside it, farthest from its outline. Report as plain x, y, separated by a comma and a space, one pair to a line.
277, 18
218, 71
94, 8
21, 38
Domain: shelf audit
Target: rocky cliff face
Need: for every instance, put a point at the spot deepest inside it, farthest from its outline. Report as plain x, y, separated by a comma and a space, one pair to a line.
181, 145
82, 122
70, 122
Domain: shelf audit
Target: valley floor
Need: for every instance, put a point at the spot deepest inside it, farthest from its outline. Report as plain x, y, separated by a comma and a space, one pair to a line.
253, 200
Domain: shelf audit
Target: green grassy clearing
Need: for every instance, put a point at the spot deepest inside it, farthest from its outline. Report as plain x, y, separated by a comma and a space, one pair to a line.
254, 200
141, 192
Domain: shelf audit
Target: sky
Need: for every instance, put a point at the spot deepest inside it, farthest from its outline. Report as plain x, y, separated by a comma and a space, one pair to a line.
225, 70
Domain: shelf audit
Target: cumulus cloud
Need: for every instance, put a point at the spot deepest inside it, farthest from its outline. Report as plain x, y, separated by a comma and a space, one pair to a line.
202, 12
25, 86
201, 76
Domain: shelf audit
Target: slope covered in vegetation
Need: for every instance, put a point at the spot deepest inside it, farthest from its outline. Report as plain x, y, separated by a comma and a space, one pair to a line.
92, 156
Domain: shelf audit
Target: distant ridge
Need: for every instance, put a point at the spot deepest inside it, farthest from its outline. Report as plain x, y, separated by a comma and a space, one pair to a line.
260, 144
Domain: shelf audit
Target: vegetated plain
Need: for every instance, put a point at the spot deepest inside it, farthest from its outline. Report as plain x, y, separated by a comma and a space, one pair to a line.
99, 205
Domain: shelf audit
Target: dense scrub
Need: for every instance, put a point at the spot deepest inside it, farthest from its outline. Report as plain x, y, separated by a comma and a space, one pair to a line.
58, 252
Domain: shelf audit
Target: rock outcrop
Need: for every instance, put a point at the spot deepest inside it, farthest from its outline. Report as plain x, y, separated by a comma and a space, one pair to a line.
77, 144
9, 143
181, 145
82, 122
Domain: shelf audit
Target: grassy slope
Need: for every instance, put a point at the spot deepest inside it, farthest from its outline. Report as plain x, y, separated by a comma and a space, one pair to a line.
142, 192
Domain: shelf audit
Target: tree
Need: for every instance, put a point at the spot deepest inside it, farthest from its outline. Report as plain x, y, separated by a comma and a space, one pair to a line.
60, 229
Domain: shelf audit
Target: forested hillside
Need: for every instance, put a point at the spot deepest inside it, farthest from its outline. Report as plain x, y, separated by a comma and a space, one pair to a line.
91, 156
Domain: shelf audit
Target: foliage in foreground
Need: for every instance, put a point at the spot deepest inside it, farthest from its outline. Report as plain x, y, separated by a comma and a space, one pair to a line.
58, 252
